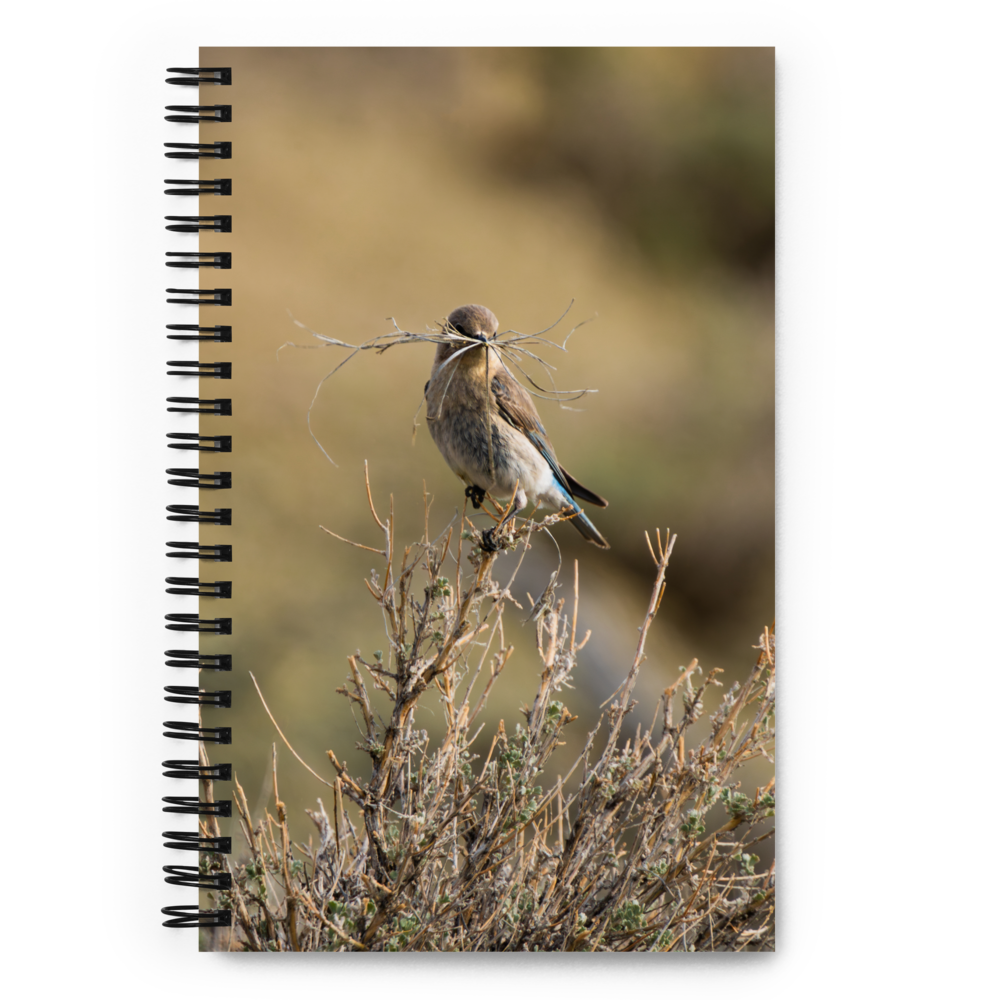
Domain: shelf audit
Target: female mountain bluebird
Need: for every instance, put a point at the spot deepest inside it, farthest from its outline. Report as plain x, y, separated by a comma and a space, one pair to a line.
469, 393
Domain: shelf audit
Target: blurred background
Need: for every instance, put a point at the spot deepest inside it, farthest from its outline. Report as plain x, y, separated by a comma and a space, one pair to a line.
369, 183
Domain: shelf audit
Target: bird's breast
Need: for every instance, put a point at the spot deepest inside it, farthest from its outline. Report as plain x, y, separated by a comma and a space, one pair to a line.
474, 449
498, 463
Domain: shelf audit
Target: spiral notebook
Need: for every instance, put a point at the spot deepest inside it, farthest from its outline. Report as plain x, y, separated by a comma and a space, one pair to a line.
471, 547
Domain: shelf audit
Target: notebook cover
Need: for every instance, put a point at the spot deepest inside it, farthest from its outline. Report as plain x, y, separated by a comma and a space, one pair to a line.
373, 186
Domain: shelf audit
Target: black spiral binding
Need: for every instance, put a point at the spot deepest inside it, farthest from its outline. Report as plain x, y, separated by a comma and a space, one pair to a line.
206, 840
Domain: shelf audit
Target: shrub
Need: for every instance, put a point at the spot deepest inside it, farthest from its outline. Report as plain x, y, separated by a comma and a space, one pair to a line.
452, 853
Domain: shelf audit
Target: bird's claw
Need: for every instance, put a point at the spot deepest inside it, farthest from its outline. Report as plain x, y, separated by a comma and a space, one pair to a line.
489, 542
476, 494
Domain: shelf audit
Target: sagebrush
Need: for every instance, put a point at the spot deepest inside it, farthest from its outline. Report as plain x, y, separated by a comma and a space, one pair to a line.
450, 852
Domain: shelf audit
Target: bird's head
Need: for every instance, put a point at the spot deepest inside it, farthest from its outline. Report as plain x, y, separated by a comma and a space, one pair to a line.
474, 322
466, 325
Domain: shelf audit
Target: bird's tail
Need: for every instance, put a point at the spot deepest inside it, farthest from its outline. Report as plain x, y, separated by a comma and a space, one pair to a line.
583, 524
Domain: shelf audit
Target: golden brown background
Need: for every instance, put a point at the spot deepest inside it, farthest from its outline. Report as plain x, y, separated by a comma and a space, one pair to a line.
370, 183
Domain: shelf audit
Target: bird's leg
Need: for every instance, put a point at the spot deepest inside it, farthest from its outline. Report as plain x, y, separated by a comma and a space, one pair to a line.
476, 494
491, 534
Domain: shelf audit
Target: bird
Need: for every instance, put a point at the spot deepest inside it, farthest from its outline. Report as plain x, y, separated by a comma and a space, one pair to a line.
470, 390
